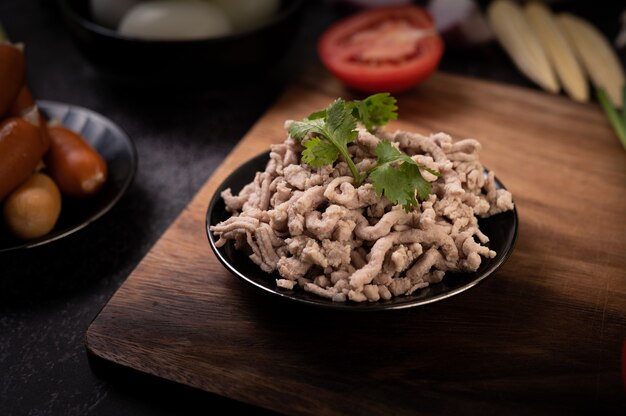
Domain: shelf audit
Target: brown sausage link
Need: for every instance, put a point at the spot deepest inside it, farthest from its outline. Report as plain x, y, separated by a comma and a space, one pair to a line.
12, 74
73, 164
21, 150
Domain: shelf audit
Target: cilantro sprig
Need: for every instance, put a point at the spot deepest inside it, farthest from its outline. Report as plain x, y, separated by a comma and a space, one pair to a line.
329, 131
374, 111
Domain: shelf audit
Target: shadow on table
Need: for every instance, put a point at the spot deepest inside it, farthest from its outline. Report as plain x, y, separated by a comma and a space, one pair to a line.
161, 396
97, 254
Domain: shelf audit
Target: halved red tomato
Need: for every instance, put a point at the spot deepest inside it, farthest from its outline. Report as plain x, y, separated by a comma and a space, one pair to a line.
384, 49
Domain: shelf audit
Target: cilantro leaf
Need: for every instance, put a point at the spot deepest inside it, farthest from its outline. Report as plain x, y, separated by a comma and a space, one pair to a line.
319, 153
388, 182
300, 129
388, 153
317, 115
340, 123
397, 176
376, 110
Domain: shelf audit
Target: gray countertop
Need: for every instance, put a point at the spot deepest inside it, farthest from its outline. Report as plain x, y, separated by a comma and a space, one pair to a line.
49, 295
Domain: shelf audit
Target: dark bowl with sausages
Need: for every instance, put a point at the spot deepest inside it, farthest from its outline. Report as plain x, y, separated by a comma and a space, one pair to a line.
148, 62
118, 152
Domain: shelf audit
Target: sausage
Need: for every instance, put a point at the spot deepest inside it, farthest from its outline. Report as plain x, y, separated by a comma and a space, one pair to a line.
12, 74
33, 209
21, 149
75, 166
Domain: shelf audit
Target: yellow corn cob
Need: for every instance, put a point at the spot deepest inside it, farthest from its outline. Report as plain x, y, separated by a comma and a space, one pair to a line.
516, 36
558, 50
598, 58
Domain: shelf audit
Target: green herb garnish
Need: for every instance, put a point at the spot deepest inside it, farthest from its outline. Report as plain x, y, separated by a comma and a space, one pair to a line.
330, 130
618, 121
397, 176
374, 111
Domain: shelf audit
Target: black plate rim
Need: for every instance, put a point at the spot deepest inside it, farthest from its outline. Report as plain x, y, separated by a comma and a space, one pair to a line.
46, 104
346, 306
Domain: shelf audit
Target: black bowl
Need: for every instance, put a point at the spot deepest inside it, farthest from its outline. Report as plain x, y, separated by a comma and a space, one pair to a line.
161, 62
114, 146
501, 230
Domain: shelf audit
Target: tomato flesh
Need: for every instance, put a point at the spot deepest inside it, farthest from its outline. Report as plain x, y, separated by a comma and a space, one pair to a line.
386, 49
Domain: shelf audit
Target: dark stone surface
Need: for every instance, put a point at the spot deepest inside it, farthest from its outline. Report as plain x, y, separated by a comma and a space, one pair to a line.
49, 295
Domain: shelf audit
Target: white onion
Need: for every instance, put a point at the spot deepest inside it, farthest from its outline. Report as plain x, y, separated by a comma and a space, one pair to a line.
248, 14
175, 20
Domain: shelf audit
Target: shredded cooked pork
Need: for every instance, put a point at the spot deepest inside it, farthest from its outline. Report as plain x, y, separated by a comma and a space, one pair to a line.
324, 235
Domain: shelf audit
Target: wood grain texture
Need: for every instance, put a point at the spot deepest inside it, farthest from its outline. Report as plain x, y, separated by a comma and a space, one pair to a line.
543, 336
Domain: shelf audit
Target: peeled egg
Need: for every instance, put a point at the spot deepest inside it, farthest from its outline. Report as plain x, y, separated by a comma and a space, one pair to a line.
248, 14
108, 13
175, 20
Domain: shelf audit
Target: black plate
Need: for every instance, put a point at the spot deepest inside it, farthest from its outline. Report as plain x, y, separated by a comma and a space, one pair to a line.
117, 150
501, 230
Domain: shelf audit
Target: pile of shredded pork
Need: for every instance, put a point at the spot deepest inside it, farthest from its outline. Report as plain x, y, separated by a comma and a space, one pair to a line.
326, 236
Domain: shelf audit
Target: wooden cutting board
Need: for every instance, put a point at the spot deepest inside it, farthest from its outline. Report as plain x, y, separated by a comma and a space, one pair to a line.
543, 335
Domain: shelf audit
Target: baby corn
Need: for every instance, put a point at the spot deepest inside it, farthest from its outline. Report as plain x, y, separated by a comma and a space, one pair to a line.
558, 50
596, 55
518, 39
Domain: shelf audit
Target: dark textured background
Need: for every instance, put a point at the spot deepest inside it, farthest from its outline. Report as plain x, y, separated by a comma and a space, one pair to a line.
49, 295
